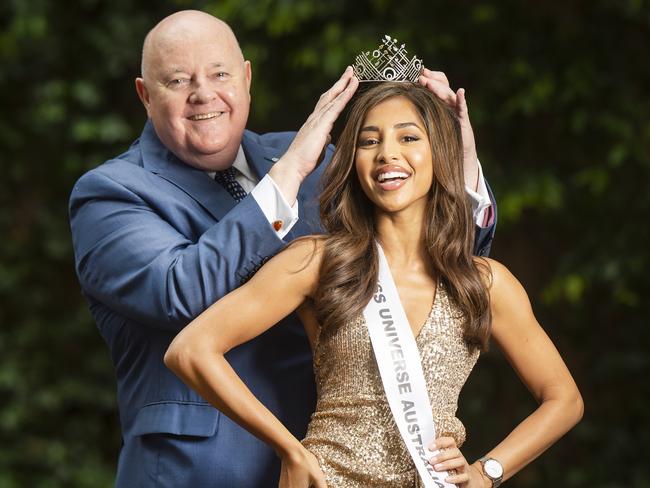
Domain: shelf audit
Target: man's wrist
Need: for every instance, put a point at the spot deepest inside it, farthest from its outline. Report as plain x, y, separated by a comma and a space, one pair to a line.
287, 178
472, 171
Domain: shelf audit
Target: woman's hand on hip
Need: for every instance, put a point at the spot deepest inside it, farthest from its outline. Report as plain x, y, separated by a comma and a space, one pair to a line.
449, 458
301, 470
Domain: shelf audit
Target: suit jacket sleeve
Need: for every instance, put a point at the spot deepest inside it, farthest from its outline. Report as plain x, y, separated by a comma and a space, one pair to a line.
139, 265
483, 236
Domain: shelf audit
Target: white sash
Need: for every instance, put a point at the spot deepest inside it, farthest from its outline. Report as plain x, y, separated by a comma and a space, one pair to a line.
400, 368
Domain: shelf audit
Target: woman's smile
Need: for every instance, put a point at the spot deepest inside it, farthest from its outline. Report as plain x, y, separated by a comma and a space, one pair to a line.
392, 177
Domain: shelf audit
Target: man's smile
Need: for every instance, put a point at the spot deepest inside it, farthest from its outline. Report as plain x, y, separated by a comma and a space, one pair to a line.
209, 115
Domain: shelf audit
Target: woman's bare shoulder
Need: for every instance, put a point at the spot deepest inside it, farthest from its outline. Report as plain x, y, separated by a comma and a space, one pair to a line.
307, 250
302, 258
503, 286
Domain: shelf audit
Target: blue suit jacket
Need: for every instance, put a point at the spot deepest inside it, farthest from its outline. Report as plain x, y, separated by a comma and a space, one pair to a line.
156, 242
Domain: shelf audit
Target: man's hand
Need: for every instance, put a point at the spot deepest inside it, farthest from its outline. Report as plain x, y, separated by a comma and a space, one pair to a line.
437, 83
307, 148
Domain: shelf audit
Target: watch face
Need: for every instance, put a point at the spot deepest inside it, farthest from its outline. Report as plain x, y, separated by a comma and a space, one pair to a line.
493, 468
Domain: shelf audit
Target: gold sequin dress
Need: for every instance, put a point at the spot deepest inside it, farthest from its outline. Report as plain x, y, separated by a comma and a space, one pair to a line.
352, 432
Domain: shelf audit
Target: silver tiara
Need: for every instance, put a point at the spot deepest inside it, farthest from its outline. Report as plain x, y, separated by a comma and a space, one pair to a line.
387, 63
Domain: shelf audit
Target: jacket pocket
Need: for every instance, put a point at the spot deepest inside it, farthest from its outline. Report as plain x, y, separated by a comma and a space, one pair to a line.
178, 418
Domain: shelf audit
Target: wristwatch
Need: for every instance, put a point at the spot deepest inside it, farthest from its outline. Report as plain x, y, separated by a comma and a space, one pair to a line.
492, 469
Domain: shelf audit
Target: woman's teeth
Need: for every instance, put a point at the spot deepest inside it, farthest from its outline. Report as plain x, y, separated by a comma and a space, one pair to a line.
389, 175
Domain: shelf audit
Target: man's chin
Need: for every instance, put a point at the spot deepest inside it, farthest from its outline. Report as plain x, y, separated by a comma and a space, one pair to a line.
210, 157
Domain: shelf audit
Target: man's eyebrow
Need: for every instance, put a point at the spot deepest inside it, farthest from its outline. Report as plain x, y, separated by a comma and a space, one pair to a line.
173, 70
182, 69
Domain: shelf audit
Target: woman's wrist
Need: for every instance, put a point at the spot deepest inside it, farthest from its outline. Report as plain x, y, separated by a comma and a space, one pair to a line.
486, 482
291, 450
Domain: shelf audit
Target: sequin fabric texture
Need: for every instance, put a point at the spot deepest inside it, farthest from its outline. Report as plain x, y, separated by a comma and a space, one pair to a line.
352, 433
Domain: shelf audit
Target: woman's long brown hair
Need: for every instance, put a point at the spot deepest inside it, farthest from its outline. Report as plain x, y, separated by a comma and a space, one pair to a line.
348, 273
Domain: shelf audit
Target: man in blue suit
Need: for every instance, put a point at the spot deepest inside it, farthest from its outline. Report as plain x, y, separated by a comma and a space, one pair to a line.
187, 214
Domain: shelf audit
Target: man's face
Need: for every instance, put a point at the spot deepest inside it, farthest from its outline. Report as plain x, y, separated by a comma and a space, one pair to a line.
197, 93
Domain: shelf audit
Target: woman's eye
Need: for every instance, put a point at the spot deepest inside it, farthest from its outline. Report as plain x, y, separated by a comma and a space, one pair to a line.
368, 142
410, 138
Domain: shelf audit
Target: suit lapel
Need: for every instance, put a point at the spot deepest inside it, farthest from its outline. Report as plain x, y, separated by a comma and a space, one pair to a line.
195, 182
260, 158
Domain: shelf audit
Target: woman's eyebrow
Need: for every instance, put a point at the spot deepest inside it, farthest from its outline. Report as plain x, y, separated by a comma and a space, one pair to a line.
401, 125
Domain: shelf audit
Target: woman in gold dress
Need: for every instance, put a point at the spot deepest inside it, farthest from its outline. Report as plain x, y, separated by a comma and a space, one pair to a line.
396, 178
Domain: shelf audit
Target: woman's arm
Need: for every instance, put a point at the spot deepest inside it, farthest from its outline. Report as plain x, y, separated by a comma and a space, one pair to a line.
197, 354
539, 365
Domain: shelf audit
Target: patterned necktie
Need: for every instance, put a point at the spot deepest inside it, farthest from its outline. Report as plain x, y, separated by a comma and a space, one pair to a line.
226, 178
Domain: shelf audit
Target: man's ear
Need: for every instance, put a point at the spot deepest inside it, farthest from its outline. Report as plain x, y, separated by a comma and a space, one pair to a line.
143, 93
249, 74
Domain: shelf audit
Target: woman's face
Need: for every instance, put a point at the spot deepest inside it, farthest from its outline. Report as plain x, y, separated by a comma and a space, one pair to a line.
393, 156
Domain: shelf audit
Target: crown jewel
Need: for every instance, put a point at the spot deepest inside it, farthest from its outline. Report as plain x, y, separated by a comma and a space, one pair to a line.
387, 63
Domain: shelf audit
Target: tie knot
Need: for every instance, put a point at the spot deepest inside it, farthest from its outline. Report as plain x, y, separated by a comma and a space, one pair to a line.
228, 174
227, 179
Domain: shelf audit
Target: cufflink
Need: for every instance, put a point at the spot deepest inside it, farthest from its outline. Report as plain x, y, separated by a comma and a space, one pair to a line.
277, 225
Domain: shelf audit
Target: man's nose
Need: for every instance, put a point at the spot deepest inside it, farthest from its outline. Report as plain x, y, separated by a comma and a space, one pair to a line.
202, 92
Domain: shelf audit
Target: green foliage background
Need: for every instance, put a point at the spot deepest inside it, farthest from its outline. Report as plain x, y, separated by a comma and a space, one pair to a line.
558, 95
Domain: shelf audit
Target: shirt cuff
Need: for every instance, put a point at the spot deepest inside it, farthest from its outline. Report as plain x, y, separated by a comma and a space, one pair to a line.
278, 212
480, 199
